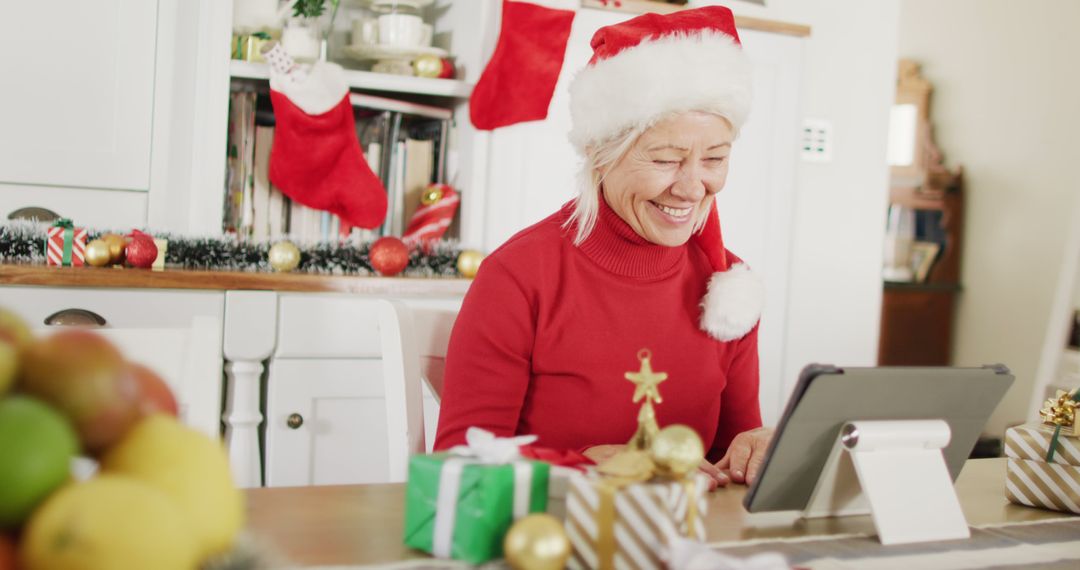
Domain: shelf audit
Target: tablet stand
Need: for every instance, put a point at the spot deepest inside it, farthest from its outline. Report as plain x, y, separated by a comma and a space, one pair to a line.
895, 471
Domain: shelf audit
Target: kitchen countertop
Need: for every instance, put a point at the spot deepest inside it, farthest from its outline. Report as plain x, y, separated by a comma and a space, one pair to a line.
40, 275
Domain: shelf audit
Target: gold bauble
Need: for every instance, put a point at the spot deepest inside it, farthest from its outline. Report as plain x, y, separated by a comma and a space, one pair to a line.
97, 253
468, 262
432, 194
117, 244
284, 256
537, 542
677, 450
428, 66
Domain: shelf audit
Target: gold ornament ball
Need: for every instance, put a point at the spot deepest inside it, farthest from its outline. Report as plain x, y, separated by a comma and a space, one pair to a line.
117, 244
468, 262
537, 542
97, 253
432, 194
284, 256
677, 449
428, 66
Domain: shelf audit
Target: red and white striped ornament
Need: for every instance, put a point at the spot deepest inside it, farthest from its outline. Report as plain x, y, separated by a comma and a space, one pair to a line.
432, 219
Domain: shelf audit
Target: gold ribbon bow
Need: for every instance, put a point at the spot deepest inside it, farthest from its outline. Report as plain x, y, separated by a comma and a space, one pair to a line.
1060, 412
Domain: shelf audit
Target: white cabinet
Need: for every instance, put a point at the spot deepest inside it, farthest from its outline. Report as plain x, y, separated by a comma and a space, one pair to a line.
326, 408
175, 333
325, 422
98, 110
80, 113
77, 108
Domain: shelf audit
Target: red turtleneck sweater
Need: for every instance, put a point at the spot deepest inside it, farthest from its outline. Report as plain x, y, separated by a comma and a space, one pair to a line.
548, 330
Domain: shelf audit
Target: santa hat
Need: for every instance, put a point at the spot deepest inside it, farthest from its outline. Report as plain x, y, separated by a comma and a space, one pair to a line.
653, 65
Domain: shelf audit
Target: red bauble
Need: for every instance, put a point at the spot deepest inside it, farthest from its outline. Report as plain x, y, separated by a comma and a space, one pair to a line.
388, 256
447, 69
141, 251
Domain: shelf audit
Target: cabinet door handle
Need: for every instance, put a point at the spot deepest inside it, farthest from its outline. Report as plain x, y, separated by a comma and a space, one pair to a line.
34, 213
75, 318
295, 421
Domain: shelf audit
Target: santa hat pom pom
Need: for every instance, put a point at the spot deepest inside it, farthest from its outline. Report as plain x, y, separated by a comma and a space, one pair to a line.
733, 304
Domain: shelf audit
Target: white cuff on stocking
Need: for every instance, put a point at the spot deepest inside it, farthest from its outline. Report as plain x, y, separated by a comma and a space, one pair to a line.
318, 92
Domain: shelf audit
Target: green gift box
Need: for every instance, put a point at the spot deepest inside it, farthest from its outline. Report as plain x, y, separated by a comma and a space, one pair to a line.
482, 501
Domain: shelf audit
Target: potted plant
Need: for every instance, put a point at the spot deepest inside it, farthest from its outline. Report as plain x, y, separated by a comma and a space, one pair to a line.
302, 37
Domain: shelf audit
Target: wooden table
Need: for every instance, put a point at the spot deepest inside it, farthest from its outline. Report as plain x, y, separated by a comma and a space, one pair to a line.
362, 524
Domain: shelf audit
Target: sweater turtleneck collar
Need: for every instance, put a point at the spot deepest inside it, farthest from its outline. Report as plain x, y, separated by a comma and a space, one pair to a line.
616, 247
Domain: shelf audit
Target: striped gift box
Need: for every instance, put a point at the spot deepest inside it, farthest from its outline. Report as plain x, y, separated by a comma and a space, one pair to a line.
54, 246
647, 516
1032, 480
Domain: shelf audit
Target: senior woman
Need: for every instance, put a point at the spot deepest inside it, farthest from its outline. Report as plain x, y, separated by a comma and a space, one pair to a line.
558, 313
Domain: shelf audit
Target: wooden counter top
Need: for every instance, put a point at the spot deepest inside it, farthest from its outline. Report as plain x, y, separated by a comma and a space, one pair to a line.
362, 524
227, 280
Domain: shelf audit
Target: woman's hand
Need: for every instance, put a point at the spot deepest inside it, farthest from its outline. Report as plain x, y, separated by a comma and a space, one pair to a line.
745, 455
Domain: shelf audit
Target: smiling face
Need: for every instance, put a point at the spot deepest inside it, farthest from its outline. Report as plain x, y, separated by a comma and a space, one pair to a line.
664, 185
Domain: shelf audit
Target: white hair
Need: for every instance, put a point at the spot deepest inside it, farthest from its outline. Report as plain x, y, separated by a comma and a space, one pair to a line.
599, 159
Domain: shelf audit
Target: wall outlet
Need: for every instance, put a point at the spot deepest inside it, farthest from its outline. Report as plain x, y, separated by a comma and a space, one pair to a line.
816, 142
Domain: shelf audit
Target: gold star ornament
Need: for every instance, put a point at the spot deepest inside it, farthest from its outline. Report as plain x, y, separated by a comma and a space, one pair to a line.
645, 379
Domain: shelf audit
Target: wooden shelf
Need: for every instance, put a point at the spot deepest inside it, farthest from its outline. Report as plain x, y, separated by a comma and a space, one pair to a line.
369, 81
228, 280
912, 286
741, 22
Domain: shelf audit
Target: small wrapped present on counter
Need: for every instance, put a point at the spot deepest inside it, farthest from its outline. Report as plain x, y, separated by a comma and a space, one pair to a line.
637, 507
460, 504
1044, 459
65, 244
618, 521
248, 47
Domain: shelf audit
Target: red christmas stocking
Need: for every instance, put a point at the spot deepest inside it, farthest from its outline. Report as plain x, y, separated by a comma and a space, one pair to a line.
518, 82
316, 157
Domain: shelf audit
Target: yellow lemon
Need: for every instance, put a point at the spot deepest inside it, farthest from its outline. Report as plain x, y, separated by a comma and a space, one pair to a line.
189, 467
109, 522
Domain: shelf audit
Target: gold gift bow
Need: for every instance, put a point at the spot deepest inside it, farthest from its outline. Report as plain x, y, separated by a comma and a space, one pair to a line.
1060, 412
626, 468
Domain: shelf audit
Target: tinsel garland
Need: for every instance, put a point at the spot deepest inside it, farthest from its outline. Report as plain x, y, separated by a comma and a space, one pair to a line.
23, 243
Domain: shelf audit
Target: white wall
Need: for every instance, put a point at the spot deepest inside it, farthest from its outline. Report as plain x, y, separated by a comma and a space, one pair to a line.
849, 80
1005, 107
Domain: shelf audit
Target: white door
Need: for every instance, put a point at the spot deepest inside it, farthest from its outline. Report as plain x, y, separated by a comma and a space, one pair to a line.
78, 92
757, 204
533, 170
325, 422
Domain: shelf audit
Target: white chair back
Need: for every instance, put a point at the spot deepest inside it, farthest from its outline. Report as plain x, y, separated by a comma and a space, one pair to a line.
431, 328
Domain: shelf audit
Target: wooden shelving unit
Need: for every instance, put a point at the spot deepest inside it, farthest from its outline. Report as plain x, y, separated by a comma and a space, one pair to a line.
369, 81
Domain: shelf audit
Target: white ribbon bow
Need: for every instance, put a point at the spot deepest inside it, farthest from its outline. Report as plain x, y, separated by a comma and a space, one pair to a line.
481, 446
485, 447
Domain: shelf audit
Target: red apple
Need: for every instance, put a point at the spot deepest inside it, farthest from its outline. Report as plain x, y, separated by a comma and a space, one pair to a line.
8, 556
155, 397
82, 375
14, 337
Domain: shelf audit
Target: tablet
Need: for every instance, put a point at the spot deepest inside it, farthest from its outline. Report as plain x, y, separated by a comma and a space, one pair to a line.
827, 397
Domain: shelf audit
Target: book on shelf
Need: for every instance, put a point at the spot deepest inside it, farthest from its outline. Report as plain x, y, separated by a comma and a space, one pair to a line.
407, 151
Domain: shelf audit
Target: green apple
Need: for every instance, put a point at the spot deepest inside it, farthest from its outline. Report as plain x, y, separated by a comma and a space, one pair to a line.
37, 444
83, 375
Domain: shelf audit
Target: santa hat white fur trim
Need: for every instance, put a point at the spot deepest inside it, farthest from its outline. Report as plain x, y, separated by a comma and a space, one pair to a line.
701, 71
733, 304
